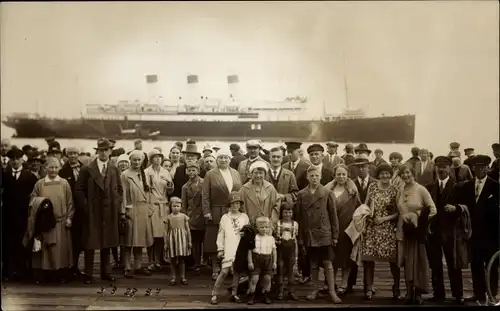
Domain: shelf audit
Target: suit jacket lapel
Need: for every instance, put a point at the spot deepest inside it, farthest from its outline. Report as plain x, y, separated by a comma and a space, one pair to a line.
318, 194
447, 189
94, 172
484, 191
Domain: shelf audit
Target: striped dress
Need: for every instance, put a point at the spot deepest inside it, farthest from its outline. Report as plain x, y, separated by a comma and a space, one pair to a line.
176, 242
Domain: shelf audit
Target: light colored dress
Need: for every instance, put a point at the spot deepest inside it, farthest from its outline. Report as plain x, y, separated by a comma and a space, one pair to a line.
159, 198
59, 255
229, 237
379, 241
412, 253
177, 236
137, 210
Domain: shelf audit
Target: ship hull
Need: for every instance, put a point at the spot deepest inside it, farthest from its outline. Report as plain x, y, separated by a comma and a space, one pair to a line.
398, 129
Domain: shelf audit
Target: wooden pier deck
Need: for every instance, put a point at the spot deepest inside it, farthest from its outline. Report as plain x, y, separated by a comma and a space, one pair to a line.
77, 296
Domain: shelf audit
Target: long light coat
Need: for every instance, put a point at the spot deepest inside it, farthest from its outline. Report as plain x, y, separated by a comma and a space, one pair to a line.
100, 201
268, 205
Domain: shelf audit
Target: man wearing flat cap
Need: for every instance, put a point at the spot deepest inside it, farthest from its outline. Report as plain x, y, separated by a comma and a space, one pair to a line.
99, 195
331, 158
316, 153
17, 185
494, 171
480, 195
447, 233
469, 153
297, 165
254, 148
237, 157
71, 171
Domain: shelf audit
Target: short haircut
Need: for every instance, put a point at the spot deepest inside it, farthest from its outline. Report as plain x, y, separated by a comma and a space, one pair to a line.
262, 220
405, 167
175, 200
274, 149
286, 206
313, 168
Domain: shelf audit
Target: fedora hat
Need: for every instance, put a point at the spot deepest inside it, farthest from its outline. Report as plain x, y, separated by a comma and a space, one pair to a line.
191, 149
15, 153
361, 159
103, 144
362, 148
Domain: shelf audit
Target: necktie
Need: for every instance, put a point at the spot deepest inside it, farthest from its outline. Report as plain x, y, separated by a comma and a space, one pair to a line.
364, 184
103, 172
15, 174
292, 166
441, 186
275, 174
478, 187
76, 172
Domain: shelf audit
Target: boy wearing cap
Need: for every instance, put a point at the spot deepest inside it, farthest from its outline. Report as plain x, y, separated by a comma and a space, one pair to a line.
447, 234
480, 195
318, 230
17, 185
192, 206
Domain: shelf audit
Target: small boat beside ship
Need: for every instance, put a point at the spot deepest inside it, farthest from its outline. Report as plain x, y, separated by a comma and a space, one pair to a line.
231, 119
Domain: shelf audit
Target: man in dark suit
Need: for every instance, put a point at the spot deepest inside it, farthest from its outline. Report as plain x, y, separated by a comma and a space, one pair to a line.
296, 164
481, 197
362, 182
17, 185
237, 156
331, 159
442, 239
71, 171
99, 194
494, 171
180, 177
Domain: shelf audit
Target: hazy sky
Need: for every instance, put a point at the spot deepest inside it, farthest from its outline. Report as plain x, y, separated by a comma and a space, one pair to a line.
436, 59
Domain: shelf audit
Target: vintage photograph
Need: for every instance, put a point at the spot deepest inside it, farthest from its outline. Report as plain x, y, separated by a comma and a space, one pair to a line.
241, 154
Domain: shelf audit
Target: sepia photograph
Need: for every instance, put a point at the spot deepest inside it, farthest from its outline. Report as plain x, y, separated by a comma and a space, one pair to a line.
242, 154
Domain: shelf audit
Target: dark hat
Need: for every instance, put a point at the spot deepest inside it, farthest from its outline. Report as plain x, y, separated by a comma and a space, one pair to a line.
27, 148
115, 153
315, 147
480, 160
15, 153
454, 145
190, 142
191, 149
54, 147
234, 147
383, 167
38, 156
443, 161
468, 149
349, 147
49, 139
293, 145
378, 150
103, 144
112, 143
495, 146
362, 148
135, 141
332, 144
179, 144
361, 159
415, 150
396, 155
235, 197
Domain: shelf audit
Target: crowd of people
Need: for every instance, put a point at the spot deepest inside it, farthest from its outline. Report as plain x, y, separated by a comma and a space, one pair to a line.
262, 214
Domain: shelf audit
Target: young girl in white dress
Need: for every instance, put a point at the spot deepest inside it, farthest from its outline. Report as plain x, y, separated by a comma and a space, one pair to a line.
228, 239
177, 240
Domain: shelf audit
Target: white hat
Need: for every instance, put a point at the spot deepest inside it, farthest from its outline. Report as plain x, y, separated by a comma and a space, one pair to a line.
258, 164
207, 147
154, 152
123, 157
254, 143
224, 152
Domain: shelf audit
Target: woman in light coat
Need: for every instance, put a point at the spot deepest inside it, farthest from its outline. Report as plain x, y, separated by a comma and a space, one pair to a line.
162, 186
217, 185
137, 211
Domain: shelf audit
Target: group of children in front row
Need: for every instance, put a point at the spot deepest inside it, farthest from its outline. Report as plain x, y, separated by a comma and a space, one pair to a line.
259, 256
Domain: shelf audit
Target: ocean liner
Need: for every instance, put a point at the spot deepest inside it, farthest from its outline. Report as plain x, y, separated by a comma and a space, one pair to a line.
202, 118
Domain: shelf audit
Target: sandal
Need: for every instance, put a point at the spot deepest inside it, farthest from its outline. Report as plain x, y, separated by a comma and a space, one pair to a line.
173, 281
184, 281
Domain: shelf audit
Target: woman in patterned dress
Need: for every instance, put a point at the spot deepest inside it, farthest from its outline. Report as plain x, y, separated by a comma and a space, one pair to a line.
347, 200
379, 238
161, 187
178, 240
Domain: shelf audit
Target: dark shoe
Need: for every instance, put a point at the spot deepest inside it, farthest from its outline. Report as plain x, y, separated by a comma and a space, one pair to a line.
396, 293
87, 280
369, 295
267, 300
418, 300
184, 281
128, 274
342, 291
235, 299
251, 299
292, 296
107, 277
280, 295
76, 272
173, 281
305, 279
460, 301
438, 299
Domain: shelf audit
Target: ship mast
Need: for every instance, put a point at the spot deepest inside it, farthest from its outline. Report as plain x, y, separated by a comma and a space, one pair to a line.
345, 83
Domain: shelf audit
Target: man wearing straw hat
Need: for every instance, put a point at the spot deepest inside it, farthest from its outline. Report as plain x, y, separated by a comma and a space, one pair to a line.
99, 194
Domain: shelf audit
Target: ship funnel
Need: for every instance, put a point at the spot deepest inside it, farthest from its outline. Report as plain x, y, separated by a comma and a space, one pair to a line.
152, 85
232, 84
